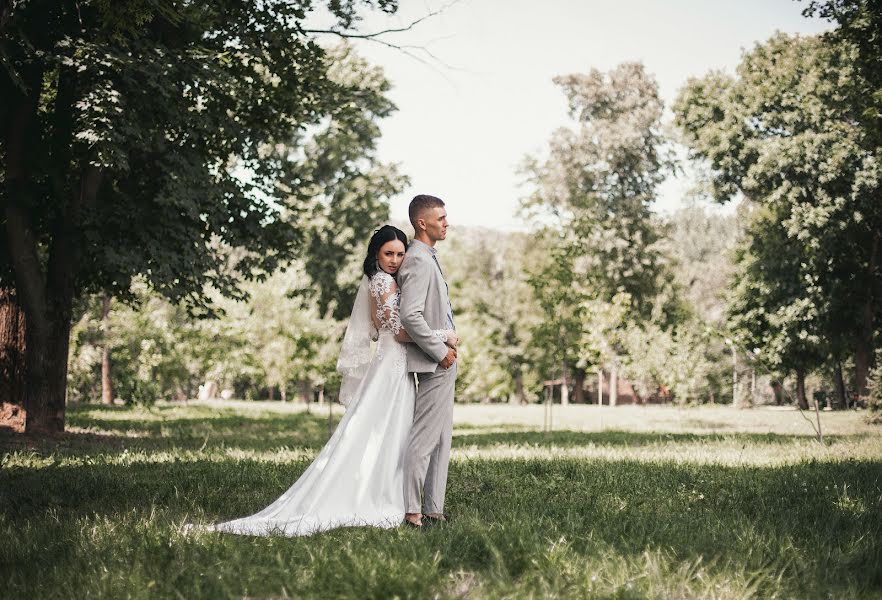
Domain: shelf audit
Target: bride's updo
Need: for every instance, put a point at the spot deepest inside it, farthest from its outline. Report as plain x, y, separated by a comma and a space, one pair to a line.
386, 233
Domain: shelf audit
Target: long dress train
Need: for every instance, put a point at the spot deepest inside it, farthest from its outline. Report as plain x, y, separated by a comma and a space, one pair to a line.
356, 479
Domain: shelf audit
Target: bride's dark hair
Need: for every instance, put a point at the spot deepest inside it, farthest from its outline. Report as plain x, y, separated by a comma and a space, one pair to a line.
384, 234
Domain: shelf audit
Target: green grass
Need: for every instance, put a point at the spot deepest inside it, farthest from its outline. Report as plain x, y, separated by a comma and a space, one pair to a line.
653, 502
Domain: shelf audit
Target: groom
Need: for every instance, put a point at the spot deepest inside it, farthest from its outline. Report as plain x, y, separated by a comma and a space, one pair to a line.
425, 307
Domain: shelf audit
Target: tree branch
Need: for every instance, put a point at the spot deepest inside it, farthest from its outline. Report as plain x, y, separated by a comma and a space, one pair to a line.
403, 48
367, 36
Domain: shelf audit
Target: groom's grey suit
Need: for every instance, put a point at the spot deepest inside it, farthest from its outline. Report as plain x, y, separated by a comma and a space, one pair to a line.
425, 307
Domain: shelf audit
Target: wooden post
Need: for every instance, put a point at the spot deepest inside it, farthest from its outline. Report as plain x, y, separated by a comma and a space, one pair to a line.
549, 399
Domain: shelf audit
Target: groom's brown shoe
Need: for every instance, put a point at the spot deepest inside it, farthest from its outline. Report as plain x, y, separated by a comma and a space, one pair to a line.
436, 519
411, 525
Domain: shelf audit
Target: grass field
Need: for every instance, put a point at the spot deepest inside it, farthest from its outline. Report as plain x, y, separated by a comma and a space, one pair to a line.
626, 502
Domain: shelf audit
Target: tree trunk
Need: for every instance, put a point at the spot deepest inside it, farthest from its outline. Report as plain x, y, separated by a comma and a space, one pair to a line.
44, 299
106, 383
306, 393
564, 387
48, 330
778, 392
12, 362
613, 385
839, 383
599, 387
800, 390
863, 355
519, 397
46, 293
272, 393
752, 387
46, 364
734, 377
283, 392
862, 360
579, 386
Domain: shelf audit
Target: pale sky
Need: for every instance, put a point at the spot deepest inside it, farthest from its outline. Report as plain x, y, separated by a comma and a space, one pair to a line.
461, 130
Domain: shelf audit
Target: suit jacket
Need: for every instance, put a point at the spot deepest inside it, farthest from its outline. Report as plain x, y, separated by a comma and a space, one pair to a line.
425, 306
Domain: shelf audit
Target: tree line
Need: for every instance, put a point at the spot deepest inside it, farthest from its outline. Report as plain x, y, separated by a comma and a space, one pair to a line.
187, 188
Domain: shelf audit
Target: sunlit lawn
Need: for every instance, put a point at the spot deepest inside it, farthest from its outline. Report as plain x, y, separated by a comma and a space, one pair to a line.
626, 502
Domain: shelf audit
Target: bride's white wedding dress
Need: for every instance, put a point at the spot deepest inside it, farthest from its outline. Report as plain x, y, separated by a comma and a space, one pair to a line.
356, 479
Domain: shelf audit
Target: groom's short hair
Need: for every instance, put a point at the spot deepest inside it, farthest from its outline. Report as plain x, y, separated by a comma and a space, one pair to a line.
420, 204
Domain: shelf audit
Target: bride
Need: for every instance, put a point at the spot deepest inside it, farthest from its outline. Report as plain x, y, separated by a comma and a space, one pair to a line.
356, 479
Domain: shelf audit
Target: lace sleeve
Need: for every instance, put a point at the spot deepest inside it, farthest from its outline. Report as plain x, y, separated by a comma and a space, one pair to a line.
385, 295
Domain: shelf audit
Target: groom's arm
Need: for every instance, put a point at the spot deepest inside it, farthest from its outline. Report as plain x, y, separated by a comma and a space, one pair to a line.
413, 279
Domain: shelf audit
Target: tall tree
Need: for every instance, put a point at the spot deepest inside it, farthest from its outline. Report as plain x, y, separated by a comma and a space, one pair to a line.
137, 140
595, 188
788, 133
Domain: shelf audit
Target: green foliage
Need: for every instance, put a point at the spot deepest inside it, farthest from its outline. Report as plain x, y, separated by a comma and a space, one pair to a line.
272, 341
859, 26
775, 308
163, 141
701, 243
495, 314
344, 186
156, 350
786, 134
175, 109
284, 334
679, 358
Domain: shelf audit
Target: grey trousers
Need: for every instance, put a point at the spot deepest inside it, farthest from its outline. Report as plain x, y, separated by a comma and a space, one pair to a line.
428, 445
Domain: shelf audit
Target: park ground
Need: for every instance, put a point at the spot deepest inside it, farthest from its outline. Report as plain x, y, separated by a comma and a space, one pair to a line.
624, 502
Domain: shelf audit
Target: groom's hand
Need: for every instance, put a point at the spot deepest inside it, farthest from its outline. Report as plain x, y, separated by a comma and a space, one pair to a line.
448, 360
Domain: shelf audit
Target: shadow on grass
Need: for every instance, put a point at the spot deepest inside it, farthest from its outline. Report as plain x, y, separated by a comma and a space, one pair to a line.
614, 437
114, 429
823, 521
106, 429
